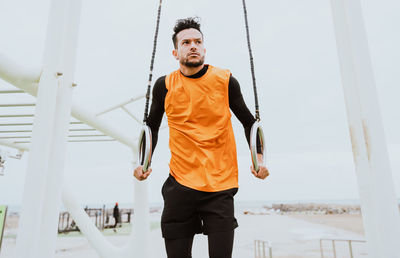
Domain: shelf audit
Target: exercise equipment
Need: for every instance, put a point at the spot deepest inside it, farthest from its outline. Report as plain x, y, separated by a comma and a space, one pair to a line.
256, 130
145, 140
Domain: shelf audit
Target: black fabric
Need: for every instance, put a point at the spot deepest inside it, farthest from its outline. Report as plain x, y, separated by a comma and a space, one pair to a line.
179, 248
187, 211
220, 245
116, 215
236, 104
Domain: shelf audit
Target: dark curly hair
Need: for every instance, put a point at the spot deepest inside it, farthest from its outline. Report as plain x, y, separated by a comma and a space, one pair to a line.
183, 24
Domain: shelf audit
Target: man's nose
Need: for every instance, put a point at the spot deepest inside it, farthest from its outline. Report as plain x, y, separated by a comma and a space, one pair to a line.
193, 46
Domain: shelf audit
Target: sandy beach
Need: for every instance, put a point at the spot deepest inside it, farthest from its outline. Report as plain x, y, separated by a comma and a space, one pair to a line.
291, 236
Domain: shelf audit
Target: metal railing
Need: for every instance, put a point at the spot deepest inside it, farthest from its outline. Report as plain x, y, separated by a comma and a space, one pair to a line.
101, 218
349, 241
259, 249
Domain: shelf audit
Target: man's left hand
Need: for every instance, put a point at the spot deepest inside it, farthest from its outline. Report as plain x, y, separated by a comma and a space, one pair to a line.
262, 170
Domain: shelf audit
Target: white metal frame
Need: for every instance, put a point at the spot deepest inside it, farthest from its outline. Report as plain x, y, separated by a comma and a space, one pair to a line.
53, 87
377, 196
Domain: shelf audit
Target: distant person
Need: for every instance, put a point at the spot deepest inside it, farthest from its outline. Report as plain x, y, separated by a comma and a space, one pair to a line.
2, 161
116, 216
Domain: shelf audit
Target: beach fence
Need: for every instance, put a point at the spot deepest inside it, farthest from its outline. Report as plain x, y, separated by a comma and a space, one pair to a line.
102, 218
333, 241
260, 247
66, 223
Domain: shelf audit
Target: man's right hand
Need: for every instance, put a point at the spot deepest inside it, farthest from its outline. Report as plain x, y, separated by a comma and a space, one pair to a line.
140, 175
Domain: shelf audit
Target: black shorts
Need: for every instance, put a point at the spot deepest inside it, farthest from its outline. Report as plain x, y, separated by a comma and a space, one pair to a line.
188, 211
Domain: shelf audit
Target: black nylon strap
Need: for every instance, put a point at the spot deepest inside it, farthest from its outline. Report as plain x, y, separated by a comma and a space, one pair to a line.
251, 61
153, 55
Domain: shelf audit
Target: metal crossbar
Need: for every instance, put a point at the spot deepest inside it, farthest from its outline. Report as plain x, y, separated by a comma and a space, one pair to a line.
334, 246
72, 136
11, 91
18, 105
259, 249
97, 140
24, 124
123, 104
17, 115
29, 131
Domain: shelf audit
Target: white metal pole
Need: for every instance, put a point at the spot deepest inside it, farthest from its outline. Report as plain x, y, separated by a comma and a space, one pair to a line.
16, 74
31, 212
378, 200
141, 221
14, 145
139, 245
131, 100
52, 199
38, 225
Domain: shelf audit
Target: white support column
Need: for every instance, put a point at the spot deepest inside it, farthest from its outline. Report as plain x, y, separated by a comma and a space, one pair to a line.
378, 200
41, 201
141, 221
139, 245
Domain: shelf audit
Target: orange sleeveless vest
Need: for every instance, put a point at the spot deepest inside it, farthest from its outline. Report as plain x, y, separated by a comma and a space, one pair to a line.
201, 140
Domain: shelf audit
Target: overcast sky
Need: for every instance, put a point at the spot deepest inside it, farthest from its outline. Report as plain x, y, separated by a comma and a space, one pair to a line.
297, 71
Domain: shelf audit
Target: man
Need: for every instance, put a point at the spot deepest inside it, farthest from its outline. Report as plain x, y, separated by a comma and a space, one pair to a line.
2, 161
198, 194
116, 216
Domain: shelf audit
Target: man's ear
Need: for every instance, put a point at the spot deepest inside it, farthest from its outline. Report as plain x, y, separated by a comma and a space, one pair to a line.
175, 54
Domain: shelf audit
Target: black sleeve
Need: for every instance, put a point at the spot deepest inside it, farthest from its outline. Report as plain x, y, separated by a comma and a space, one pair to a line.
239, 108
157, 109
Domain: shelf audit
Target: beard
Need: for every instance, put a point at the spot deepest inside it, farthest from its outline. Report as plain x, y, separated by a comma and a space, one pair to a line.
192, 64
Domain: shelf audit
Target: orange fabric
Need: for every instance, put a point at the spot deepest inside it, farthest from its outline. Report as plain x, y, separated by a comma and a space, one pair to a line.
201, 140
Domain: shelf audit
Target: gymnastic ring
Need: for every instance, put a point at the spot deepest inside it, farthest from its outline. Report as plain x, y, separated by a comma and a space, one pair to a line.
256, 129
145, 147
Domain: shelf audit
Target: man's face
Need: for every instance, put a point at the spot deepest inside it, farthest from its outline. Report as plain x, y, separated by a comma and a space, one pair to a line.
190, 50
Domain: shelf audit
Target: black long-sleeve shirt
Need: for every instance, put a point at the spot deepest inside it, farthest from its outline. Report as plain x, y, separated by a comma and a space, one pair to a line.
236, 104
